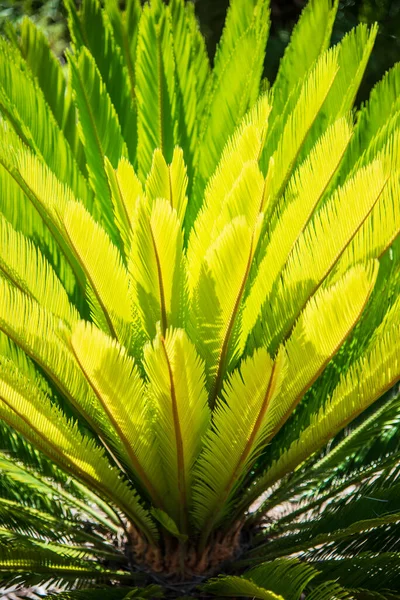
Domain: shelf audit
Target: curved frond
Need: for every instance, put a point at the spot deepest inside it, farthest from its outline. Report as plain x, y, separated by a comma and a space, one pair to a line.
156, 266
27, 409
241, 426
179, 400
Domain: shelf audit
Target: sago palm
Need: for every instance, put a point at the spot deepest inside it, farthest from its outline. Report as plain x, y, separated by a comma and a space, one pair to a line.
199, 310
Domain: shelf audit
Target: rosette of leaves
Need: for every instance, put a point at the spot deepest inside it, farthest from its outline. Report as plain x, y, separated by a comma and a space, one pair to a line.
199, 310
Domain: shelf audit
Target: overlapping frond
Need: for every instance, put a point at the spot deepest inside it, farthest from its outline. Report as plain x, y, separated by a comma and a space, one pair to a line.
36, 51
116, 381
22, 100
304, 191
156, 266
310, 37
290, 140
331, 230
99, 129
232, 585
168, 182
234, 88
101, 268
156, 81
24, 407
24, 265
364, 383
241, 425
106, 38
125, 188
244, 146
178, 397
39, 334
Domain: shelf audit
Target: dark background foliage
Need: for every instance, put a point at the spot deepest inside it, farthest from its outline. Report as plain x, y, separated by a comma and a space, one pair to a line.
211, 13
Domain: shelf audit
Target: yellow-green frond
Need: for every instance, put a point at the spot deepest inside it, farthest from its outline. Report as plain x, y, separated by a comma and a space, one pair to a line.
218, 295
155, 87
310, 37
241, 425
325, 323
303, 193
102, 264
25, 266
125, 188
233, 91
99, 130
168, 181
23, 406
179, 399
353, 53
244, 146
331, 230
157, 267
366, 381
116, 381
40, 335
313, 93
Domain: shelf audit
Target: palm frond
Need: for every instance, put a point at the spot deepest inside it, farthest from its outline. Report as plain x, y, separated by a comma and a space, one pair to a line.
178, 397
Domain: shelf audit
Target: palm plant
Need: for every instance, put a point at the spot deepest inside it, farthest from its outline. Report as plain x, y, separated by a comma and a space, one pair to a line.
199, 310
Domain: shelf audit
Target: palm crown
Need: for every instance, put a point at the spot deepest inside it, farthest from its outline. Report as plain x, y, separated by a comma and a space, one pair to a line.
199, 291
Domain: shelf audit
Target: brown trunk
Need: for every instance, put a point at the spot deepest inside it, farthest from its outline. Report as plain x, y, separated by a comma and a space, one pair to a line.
180, 561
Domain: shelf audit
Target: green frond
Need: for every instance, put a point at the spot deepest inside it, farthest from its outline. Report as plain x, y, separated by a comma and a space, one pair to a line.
188, 117
243, 147
155, 88
367, 570
99, 129
288, 576
156, 266
331, 230
23, 264
353, 53
125, 188
314, 90
168, 182
26, 408
310, 37
304, 191
98, 33
49, 492
125, 27
36, 51
365, 381
116, 382
179, 400
102, 264
240, 17
232, 585
330, 591
200, 60
234, 88
46, 564
241, 425
25, 108
220, 289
